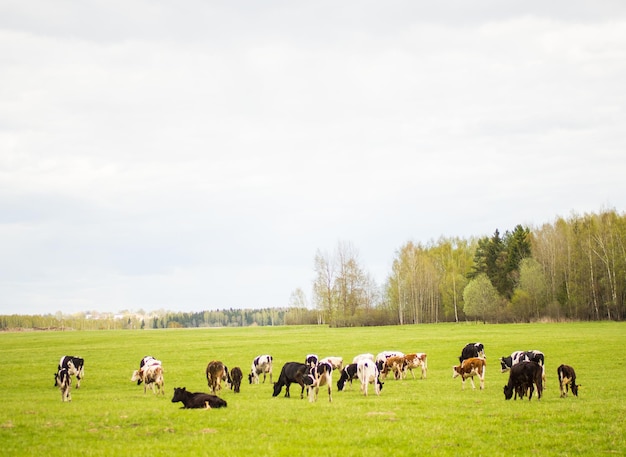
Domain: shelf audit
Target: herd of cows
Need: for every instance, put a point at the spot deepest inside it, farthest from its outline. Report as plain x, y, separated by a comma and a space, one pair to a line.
526, 373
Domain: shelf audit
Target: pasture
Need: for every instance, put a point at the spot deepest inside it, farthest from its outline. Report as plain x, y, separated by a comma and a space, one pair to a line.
109, 415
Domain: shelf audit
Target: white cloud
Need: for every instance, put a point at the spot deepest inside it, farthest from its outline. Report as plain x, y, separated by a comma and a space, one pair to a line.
168, 155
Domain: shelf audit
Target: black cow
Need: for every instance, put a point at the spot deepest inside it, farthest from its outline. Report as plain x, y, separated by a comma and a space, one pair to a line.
523, 377
75, 367
291, 372
64, 382
472, 350
567, 377
236, 375
197, 399
347, 374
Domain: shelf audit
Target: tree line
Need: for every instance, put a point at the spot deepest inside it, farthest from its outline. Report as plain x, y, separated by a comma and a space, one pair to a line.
571, 269
574, 269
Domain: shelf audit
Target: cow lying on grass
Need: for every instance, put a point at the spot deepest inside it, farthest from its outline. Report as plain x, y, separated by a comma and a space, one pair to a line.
197, 399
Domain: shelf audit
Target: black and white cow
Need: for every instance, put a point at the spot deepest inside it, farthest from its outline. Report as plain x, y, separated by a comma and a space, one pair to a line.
316, 377
197, 399
64, 382
567, 377
311, 360
347, 374
523, 377
290, 373
261, 364
75, 367
472, 350
524, 356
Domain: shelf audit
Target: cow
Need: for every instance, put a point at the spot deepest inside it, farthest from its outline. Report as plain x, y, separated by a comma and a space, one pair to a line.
368, 373
363, 356
311, 360
472, 350
507, 362
394, 364
524, 356
236, 375
146, 363
383, 356
290, 373
567, 377
316, 377
347, 374
418, 360
260, 364
75, 367
151, 376
197, 399
336, 362
524, 376
474, 366
215, 371
64, 382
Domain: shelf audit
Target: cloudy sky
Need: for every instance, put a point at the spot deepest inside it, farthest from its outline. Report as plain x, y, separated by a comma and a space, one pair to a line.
194, 154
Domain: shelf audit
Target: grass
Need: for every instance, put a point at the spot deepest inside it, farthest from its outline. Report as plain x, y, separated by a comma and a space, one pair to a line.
109, 415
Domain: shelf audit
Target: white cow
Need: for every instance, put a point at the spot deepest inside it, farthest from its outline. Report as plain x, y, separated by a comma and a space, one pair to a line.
367, 372
317, 376
336, 362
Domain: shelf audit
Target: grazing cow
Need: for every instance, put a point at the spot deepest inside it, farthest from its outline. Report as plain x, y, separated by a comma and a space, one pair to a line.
474, 366
320, 375
75, 367
367, 372
522, 377
394, 364
146, 363
363, 356
214, 373
347, 374
335, 362
311, 360
567, 377
291, 372
151, 376
472, 350
236, 375
383, 356
64, 382
419, 360
197, 399
261, 364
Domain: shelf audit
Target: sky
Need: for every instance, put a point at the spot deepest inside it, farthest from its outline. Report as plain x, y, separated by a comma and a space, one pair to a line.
196, 155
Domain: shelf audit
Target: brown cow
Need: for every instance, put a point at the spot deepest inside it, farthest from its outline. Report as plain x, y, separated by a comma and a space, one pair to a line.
418, 360
215, 370
394, 364
567, 378
469, 368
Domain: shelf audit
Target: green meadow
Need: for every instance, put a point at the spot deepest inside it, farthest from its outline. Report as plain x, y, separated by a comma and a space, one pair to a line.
110, 415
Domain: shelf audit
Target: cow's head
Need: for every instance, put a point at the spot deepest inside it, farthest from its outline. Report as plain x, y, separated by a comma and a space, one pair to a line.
508, 392
250, 378
575, 389
56, 382
277, 388
506, 363
179, 394
456, 371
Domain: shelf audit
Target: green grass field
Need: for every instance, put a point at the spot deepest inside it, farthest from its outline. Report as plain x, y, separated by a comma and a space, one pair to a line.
109, 415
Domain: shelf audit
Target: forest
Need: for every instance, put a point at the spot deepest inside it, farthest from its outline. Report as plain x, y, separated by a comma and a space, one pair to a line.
571, 269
